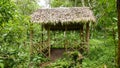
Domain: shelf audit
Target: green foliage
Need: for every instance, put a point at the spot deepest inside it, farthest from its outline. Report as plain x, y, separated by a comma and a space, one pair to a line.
37, 60
1, 65
72, 37
103, 36
14, 59
69, 60
62, 3
105, 12
63, 63
14, 34
26, 7
101, 53
7, 11
15, 26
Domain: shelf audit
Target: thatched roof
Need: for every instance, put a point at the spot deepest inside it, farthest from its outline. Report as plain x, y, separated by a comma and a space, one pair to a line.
64, 15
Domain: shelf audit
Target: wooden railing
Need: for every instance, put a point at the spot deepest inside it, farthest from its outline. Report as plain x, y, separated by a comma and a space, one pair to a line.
41, 48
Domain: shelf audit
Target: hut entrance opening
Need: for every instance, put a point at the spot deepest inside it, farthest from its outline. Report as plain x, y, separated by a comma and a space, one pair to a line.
73, 24
68, 37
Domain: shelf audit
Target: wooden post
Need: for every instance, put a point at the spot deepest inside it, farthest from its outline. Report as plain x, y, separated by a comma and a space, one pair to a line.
81, 33
42, 33
65, 46
54, 39
48, 33
82, 39
64, 38
87, 35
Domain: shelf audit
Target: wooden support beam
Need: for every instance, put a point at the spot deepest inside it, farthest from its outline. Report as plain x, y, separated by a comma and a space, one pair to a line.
64, 38
81, 34
48, 33
42, 33
81, 39
54, 39
87, 35
65, 46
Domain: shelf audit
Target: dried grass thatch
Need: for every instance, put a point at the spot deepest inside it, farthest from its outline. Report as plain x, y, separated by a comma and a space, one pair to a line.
63, 15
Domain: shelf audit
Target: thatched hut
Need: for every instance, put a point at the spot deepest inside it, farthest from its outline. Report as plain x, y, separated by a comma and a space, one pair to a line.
64, 18
59, 18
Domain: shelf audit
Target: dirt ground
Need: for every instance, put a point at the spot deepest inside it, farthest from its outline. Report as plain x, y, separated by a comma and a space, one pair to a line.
56, 53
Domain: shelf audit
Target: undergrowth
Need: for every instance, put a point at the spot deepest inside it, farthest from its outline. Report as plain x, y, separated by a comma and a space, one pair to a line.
101, 54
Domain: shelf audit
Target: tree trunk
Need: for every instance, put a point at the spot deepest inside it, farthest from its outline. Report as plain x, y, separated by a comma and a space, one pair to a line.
118, 10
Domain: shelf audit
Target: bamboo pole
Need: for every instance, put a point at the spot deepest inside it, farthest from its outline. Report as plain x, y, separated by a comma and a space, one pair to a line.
81, 34
64, 38
48, 33
83, 3
82, 39
42, 33
87, 35
65, 46
54, 39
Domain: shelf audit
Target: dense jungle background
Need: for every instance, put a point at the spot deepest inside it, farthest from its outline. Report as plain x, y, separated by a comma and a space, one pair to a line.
15, 35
